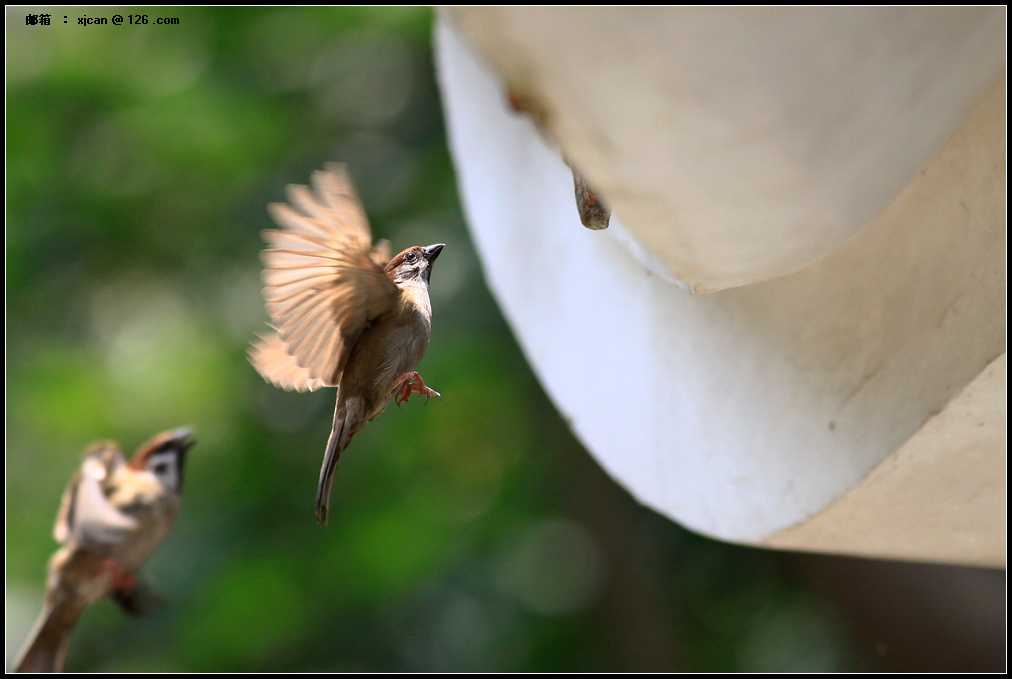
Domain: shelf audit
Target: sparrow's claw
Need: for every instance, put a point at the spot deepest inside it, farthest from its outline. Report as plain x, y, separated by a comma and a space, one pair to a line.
409, 383
402, 394
122, 581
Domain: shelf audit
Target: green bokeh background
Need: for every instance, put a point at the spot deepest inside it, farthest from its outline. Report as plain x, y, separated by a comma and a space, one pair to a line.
468, 534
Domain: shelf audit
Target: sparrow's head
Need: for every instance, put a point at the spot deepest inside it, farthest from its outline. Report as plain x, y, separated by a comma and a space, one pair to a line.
164, 455
414, 264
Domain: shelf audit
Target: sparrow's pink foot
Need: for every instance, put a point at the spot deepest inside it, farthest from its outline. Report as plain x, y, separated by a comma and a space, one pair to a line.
409, 383
121, 580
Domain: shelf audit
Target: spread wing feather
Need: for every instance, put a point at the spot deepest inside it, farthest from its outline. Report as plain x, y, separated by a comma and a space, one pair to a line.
272, 360
324, 283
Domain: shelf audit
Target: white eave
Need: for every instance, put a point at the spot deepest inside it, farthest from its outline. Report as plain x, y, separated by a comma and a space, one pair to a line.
835, 178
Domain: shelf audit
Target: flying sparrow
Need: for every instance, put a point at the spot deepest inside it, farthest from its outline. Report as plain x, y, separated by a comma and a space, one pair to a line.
113, 515
345, 317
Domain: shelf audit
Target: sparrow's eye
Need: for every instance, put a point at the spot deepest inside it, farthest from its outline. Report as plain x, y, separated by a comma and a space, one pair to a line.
410, 257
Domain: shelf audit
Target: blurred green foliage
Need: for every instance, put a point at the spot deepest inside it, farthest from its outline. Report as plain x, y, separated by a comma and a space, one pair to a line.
468, 534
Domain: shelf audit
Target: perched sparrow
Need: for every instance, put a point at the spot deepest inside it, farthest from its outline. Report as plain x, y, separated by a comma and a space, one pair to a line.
114, 514
342, 319
594, 212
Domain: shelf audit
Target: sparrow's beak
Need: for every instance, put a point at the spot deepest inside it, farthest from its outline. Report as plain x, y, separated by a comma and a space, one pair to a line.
433, 251
181, 437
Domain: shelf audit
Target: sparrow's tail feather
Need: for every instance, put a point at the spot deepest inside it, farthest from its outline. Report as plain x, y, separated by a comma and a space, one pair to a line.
50, 638
347, 422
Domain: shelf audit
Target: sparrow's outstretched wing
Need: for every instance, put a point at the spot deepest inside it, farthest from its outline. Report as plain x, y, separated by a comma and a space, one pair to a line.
325, 281
271, 359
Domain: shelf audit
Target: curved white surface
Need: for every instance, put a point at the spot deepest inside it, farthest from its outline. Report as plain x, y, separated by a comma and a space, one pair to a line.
740, 144
941, 497
742, 412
